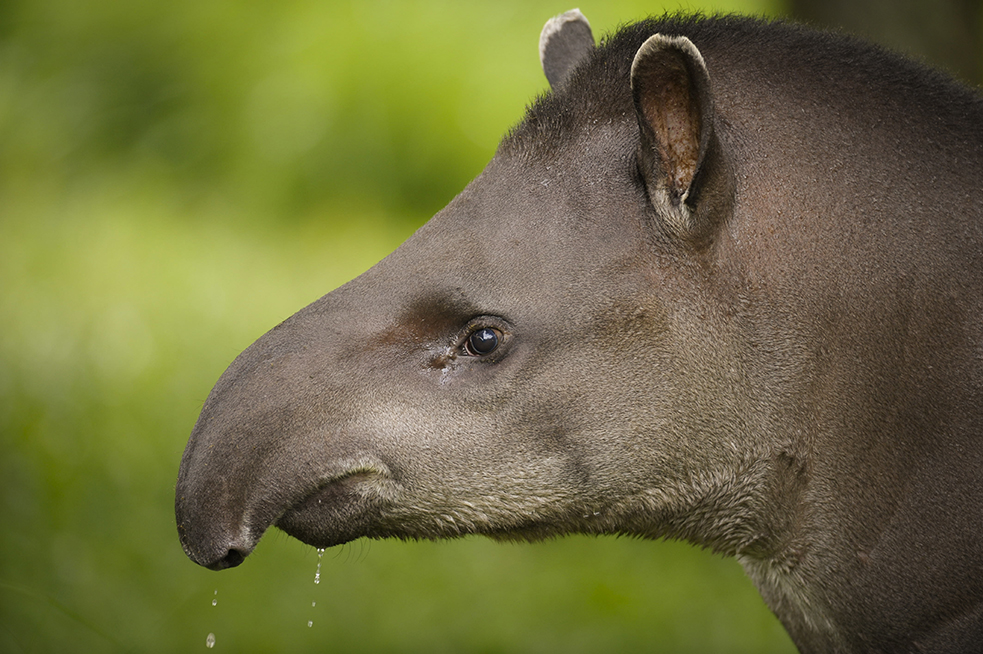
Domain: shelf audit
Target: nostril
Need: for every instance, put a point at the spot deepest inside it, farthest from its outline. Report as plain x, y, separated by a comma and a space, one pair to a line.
230, 560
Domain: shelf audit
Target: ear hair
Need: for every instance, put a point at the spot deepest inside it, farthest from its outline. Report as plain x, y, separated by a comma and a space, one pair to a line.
675, 112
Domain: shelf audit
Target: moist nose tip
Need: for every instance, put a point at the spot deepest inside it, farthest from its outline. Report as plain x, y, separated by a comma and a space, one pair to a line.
215, 554
231, 559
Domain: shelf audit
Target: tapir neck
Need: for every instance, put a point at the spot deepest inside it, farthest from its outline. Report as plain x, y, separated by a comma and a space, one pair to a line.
896, 565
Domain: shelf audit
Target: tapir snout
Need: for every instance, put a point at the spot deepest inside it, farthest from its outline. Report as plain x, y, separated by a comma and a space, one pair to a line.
723, 283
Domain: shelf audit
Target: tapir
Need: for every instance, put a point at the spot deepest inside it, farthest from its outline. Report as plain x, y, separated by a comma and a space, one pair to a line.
722, 283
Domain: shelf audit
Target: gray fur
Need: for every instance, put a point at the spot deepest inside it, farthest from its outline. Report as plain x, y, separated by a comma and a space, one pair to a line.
564, 42
741, 309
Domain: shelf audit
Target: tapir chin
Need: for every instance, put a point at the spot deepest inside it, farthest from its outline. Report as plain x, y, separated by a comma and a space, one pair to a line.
722, 283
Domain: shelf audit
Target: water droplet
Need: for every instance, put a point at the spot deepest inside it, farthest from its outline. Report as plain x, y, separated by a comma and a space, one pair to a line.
210, 641
317, 580
214, 598
317, 573
214, 602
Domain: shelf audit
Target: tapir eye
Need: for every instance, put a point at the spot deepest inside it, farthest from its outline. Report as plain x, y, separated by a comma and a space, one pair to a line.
482, 342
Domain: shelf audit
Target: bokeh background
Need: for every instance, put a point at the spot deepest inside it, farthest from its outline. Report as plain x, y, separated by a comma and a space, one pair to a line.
176, 178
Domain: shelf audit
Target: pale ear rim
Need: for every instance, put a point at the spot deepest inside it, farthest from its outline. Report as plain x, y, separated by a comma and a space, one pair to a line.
564, 42
674, 108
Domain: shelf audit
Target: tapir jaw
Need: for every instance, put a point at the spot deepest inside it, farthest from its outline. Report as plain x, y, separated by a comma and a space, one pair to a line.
342, 509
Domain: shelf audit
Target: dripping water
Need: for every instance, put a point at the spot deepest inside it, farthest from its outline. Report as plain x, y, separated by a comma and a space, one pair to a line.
317, 573
210, 639
317, 580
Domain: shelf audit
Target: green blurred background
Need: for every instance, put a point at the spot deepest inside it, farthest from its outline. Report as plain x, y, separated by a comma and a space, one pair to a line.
178, 177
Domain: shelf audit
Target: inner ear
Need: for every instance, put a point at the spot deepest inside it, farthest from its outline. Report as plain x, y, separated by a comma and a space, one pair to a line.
673, 115
674, 108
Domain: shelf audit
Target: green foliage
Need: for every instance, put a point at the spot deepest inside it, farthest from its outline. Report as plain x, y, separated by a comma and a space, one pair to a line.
176, 178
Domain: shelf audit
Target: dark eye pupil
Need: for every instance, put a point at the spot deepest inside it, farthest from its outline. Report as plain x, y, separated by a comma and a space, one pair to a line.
484, 341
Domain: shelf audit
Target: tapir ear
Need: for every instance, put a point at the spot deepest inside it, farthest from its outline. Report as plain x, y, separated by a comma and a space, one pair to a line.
674, 107
565, 41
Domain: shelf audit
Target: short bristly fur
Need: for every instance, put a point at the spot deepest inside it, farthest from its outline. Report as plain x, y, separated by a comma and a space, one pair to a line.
731, 272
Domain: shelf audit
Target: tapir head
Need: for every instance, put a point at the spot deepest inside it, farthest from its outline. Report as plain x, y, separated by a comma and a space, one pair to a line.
722, 287
544, 356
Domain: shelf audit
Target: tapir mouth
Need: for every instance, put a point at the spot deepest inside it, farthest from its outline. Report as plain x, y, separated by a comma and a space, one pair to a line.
341, 505
342, 508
